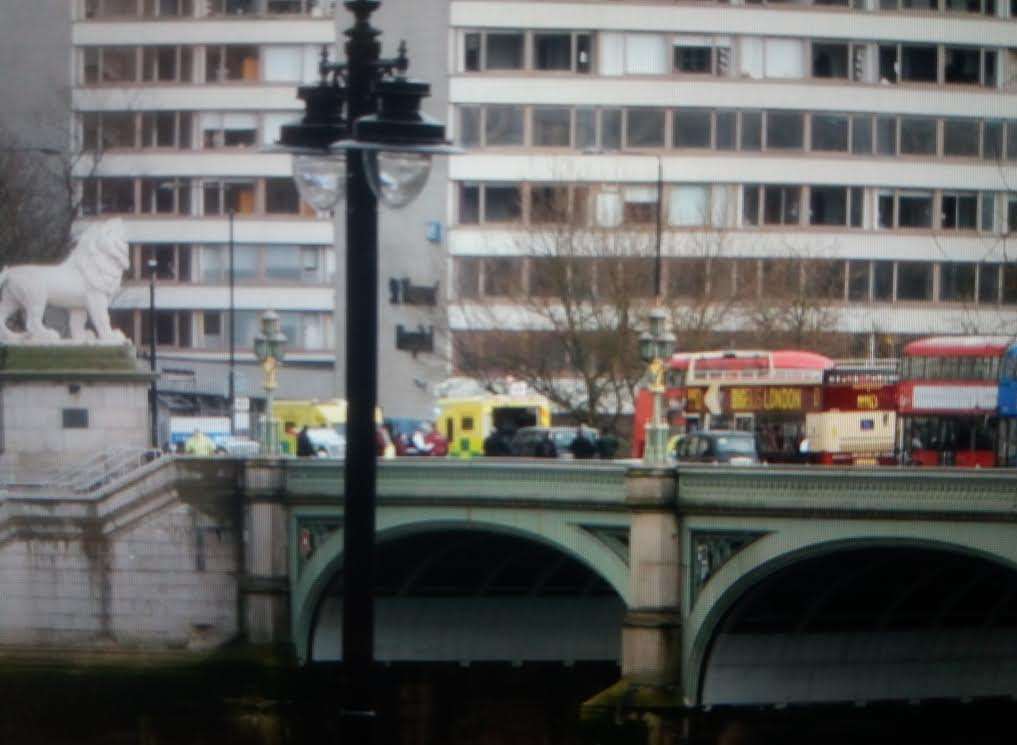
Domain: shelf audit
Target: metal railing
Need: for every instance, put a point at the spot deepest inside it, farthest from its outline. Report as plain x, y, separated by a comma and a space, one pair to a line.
85, 476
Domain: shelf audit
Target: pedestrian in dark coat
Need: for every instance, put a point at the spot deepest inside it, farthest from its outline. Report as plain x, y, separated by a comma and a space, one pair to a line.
305, 448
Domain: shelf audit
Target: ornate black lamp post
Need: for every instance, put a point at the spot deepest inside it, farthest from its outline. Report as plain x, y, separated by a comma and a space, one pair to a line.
362, 134
655, 347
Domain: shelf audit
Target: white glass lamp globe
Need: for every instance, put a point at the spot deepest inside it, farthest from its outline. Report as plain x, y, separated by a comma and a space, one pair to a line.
320, 179
396, 177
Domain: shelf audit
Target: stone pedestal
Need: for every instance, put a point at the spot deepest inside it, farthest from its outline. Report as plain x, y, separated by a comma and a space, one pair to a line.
642, 706
61, 404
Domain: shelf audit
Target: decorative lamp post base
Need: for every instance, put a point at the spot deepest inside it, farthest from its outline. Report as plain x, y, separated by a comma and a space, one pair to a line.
655, 454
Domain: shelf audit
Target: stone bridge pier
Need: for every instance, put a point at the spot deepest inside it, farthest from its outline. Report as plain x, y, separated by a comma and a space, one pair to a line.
767, 588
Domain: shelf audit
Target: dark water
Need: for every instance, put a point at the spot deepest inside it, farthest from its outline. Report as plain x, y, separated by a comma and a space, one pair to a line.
230, 703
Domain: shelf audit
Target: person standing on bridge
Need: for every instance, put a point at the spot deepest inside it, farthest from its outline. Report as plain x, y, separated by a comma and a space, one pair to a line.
582, 447
305, 448
199, 444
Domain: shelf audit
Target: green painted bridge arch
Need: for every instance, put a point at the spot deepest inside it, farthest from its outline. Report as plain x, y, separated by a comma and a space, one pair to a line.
576, 509
743, 533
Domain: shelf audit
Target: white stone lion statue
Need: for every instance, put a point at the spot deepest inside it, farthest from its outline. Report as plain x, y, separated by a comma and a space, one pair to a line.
84, 284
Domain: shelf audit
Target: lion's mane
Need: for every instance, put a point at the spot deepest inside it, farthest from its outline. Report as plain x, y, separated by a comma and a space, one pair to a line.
101, 256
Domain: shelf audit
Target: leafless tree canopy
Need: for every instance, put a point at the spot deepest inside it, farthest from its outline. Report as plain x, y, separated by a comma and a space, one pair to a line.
36, 203
566, 319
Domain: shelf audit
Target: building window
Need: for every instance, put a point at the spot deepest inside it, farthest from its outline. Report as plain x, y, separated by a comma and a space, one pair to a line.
828, 205
988, 283
692, 128
917, 136
503, 125
104, 65
904, 209
228, 130
167, 64
969, 66
829, 60
785, 130
957, 281
469, 125
281, 197
107, 196
231, 63
502, 203
562, 51
108, 130
689, 205
644, 128
727, 126
914, 281
882, 281
702, 55
468, 277
502, 276
830, 132
861, 134
166, 196
992, 140
959, 211
960, 138
858, 281
223, 197
751, 130
640, 205
552, 127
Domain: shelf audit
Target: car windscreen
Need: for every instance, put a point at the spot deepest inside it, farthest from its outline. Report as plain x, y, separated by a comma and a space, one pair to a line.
740, 445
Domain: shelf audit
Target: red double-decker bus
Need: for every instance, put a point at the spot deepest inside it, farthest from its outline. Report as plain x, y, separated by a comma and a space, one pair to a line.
768, 393
948, 400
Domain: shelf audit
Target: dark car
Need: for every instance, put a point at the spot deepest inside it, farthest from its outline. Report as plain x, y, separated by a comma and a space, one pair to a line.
524, 442
718, 446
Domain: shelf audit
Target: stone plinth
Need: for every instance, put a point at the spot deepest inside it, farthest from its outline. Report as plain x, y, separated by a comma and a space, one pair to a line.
60, 404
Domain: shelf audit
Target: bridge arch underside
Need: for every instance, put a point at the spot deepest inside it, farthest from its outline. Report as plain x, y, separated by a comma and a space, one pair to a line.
457, 595
868, 624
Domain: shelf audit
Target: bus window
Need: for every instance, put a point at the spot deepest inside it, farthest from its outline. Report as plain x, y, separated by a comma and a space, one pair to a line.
450, 429
467, 424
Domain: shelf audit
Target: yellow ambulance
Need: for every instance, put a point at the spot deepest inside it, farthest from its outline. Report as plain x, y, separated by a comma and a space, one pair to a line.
468, 420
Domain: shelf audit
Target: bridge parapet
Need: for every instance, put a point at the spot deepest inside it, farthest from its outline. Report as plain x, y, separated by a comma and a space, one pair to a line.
590, 483
899, 493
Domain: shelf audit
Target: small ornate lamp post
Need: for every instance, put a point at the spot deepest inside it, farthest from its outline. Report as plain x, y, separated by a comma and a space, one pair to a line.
362, 135
269, 348
655, 347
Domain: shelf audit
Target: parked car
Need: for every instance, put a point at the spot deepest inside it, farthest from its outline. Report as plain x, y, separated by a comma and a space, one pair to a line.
718, 446
236, 446
327, 443
524, 442
402, 429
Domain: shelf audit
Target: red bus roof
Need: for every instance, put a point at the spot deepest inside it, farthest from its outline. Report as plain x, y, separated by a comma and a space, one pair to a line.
783, 359
958, 346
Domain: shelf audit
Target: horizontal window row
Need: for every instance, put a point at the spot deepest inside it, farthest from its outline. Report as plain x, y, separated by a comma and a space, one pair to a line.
209, 329
610, 53
191, 197
97, 9
252, 264
729, 205
591, 130
180, 130
738, 279
215, 63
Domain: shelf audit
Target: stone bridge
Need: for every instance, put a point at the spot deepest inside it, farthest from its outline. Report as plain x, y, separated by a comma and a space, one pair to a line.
748, 585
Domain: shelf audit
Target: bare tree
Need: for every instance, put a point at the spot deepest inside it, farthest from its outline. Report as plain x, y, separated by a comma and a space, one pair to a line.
570, 312
795, 305
38, 199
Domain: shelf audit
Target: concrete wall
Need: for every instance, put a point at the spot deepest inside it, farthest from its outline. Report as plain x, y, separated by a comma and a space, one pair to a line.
167, 581
34, 435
